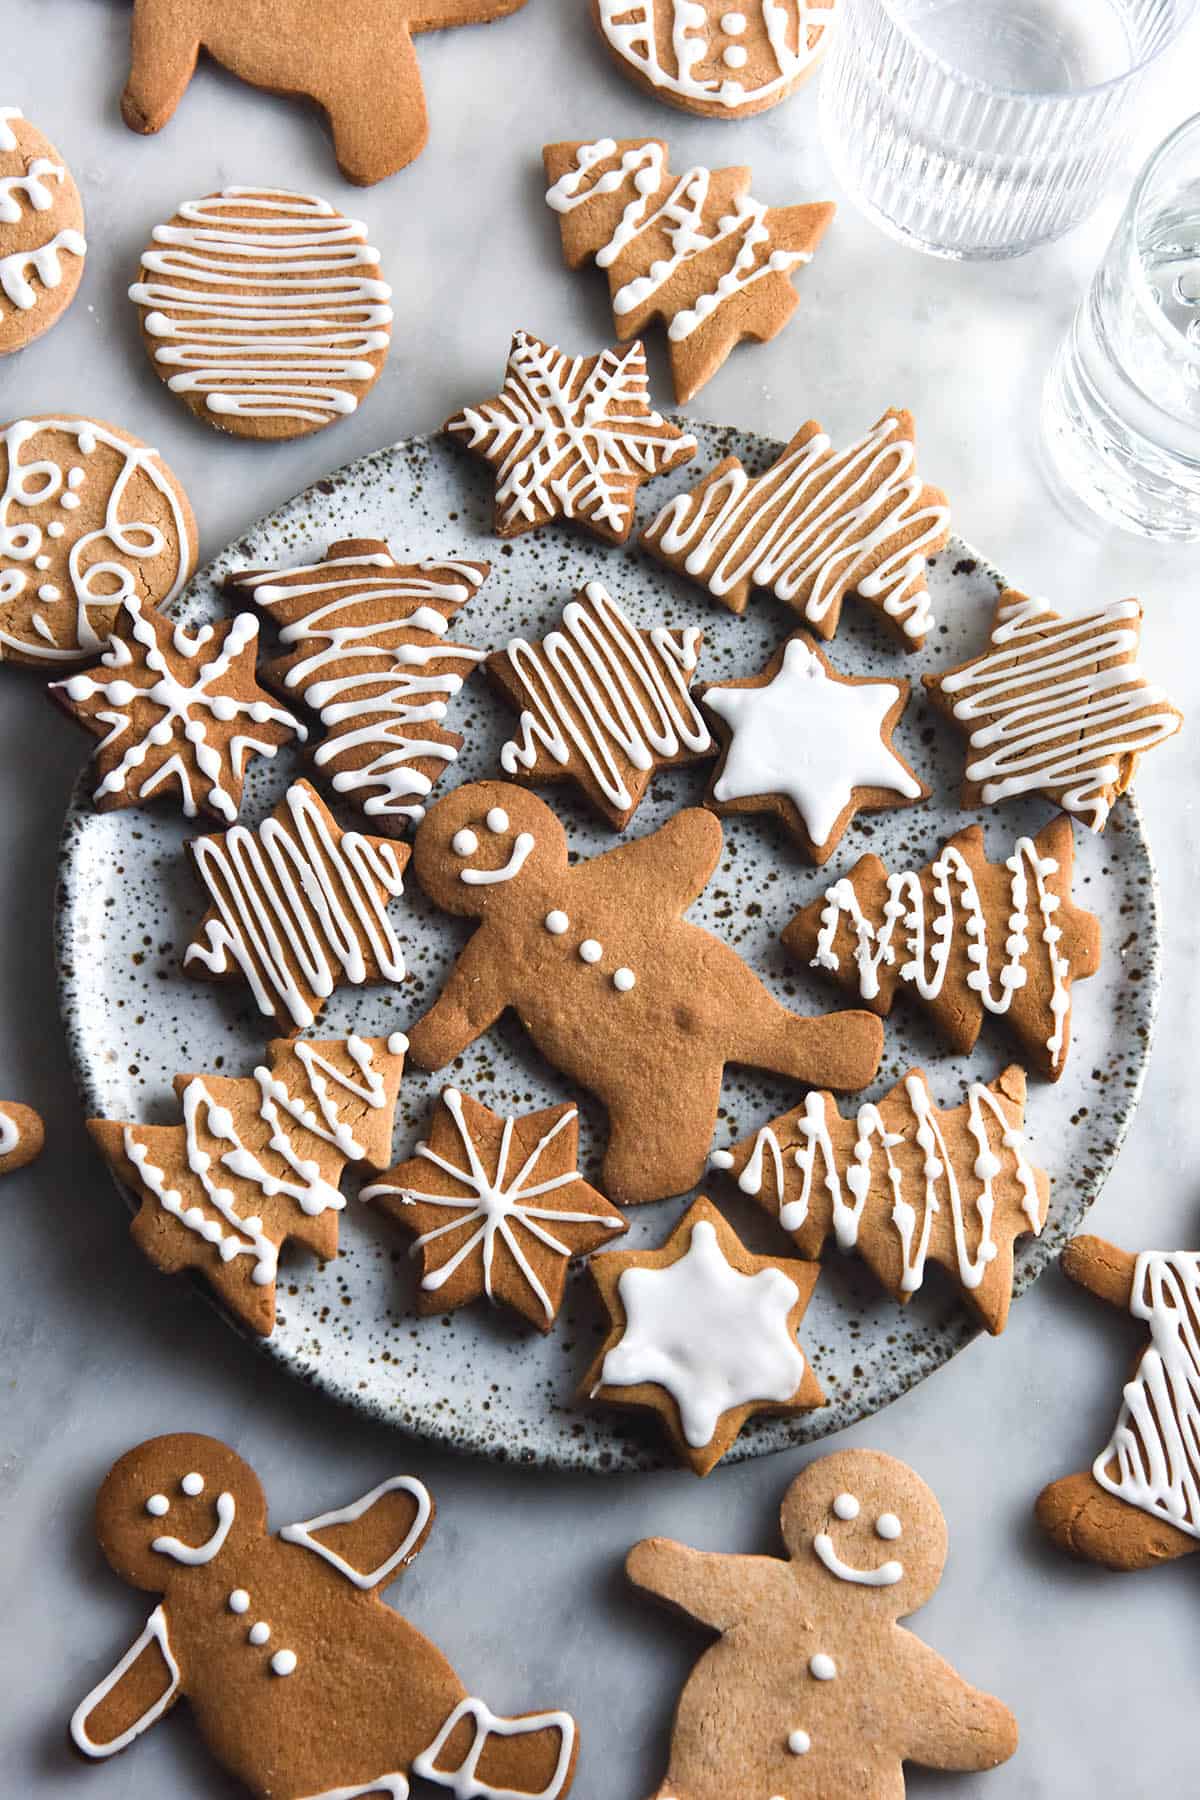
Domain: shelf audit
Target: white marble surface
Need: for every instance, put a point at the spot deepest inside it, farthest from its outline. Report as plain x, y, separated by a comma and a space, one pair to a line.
522, 1584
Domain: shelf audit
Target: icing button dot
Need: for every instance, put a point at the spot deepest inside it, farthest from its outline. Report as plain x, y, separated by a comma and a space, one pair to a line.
283, 1662
157, 1505
258, 1634
735, 56
556, 923
822, 1667
799, 1743
623, 980
192, 1484
591, 951
239, 1601
846, 1506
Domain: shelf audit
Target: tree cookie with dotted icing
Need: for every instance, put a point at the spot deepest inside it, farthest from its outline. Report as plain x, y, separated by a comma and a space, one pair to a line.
176, 709
720, 59
89, 518
905, 1183
1139, 1503
42, 245
301, 1680
695, 250
22, 1136
257, 1161
615, 987
497, 1206
967, 938
702, 1333
809, 745
814, 1690
265, 311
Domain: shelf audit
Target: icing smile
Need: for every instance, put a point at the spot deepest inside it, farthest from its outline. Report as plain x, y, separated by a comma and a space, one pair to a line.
196, 1554
886, 1575
514, 865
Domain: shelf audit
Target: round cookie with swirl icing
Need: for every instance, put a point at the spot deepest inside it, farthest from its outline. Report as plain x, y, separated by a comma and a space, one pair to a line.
42, 245
721, 59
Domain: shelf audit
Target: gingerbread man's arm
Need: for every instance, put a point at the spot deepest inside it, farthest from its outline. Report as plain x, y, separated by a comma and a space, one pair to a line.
1101, 1268
370, 1541
719, 1590
949, 1724
132, 1696
473, 998
164, 48
673, 864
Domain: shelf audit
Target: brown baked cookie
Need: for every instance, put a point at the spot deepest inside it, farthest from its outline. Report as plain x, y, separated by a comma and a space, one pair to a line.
266, 311
602, 704
366, 649
1057, 706
364, 75
42, 245
720, 59
965, 937
1139, 1504
694, 250
22, 1135
257, 1161
571, 437
614, 986
703, 1334
809, 745
819, 524
302, 1681
904, 1183
498, 1207
297, 906
814, 1690
176, 709
89, 518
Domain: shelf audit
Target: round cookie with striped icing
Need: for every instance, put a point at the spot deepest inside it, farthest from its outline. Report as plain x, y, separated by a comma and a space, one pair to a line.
722, 59
42, 245
265, 311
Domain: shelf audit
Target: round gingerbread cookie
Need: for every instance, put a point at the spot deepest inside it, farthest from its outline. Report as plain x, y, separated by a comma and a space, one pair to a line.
266, 311
722, 59
89, 518
42, 245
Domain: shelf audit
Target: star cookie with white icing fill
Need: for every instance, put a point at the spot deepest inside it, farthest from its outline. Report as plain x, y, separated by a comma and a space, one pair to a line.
810, 745
703, 1333
498, 1207
571, 437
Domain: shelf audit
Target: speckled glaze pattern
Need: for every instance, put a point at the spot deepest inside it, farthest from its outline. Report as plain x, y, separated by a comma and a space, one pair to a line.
476, 1381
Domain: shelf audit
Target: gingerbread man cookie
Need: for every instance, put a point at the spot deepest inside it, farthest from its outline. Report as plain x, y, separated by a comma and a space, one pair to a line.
721, 59
362, 71
22, 1135
815, 1691
303, 1683
615, 987
42, 245
1139, 1504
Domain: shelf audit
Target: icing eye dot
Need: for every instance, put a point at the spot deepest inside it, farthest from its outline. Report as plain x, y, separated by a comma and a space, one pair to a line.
283, 1662
846, 1506
157, 1505
556, 923
497, 820
464, 843
258, 1634
192, 1484
623, 980
799, 1743
591, 951
822, 1667
887, 1525
239, 1601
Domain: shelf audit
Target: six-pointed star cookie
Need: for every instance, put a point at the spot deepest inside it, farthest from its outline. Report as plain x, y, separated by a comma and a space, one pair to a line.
810, 745
499, 1207
177, 708
704, 1334
571, 437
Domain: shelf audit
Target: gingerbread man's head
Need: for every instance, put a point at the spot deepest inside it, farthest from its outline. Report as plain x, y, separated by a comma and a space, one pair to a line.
484, 846
175, 1502
867, 1521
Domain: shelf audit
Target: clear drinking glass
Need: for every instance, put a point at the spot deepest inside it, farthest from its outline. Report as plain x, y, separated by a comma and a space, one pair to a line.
1121, 406
979, 128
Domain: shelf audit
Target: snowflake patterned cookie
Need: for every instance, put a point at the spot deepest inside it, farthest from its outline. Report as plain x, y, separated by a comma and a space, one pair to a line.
810, 745
905, 1183
257, 1161
602, 704
42, 245
22, 1135
499, 1207
302, 1680
721, 59
571, 437
703, 1333
366, 647
694, 250
89, 518
1056, 706
175, 708
297, 906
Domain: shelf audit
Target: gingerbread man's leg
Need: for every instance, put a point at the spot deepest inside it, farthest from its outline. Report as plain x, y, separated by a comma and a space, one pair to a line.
163, 51
836, 1050
660, 1136
478, 1752
377, 114
1100, 1267
1087, 1521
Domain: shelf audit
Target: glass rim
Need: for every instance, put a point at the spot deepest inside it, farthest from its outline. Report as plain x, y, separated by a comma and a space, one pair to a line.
1185, 11
1170, 333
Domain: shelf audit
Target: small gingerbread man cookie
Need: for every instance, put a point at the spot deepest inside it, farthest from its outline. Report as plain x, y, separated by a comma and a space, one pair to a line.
42, 245
815, 1690
720, 59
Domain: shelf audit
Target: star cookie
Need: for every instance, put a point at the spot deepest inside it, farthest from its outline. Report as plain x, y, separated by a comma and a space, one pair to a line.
810, 745
297, 906
694, 250
571, 437
499, 1207
713, 59
1057, 706
704, 1334
175, 708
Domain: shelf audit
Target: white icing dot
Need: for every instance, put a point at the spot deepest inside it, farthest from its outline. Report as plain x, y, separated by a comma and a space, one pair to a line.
887, 1525
799, 1743
735, 56
623, 980
591, 951
75, 478
497, 820
464, 843
733, 24
48, 592
41, 562
556, 923
239, 1601
258, 1634
157, 1505
55, 528
397, 1044
69, 502
192, 1484
822, 1667
283, 1662
846, 1506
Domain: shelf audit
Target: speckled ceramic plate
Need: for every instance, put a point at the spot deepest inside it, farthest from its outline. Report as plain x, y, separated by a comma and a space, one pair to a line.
474, 1380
